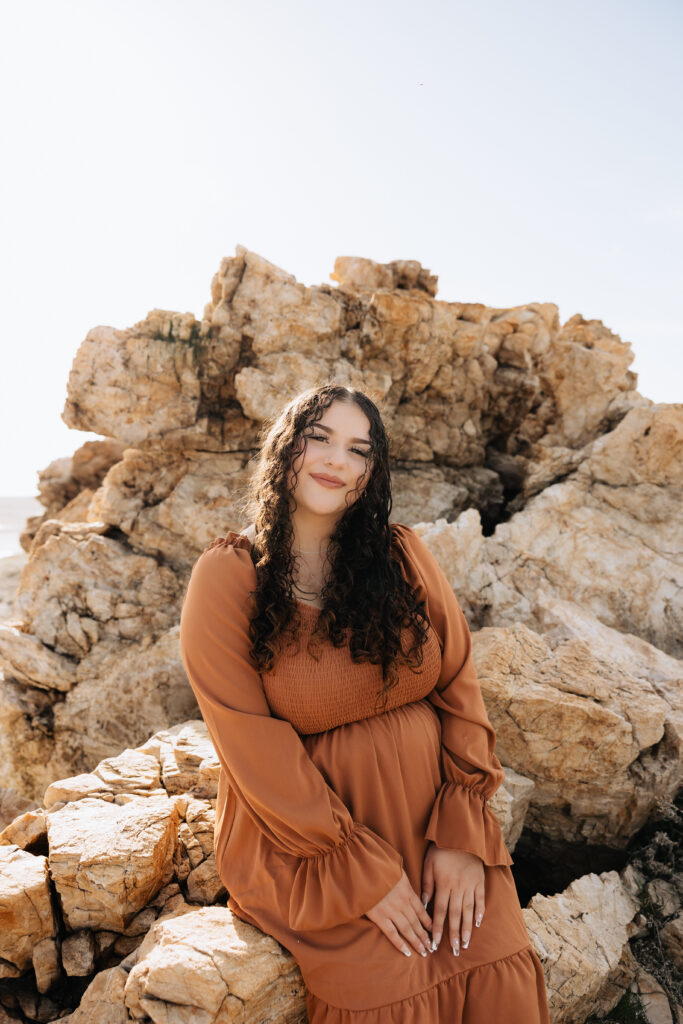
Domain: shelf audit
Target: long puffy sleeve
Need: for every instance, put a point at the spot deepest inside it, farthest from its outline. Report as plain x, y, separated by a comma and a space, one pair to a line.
460, 818
345, 867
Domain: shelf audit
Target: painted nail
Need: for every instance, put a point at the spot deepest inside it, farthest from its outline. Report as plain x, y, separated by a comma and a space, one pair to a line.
456, 951
437, 938
433, 946
478, 920
423, 952
406, 951
465, 940
425, 898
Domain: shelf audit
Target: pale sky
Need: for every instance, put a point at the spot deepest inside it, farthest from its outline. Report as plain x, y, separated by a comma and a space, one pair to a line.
523, 152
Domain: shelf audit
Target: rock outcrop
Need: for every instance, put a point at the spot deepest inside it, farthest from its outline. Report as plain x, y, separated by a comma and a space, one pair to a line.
548, 489
127, 898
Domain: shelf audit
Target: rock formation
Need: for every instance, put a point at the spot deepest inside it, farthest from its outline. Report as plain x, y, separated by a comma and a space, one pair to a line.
127, 896
547, 487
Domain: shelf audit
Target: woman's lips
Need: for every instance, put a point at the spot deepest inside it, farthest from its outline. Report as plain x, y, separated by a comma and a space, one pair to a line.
325, 483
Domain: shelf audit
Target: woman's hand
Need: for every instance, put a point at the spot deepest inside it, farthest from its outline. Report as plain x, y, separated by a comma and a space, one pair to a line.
459, 880
401, 915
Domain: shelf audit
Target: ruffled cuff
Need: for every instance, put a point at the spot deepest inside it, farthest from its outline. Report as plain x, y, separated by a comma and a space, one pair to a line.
342, 884
462, 820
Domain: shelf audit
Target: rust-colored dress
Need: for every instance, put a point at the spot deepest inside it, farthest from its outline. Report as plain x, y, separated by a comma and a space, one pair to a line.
322, 801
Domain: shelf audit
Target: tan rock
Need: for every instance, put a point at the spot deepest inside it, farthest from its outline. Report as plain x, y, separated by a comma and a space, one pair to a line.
107, 861
12, 805
25, 658
204, 884
65, 791
120, 697
78, 953
64, 479
356, 273
510, 804
35, 1007
103, 1000
276, 312
587, 751
143, 921
195, 853
480, 403
26, 917
601, 539
27, 830
131, 772
76, 592
46, 963
104, 942
586, 375
63, 526
200, 817
579, 936
136, 383
189, 762
26, 742
210, 964
172, 503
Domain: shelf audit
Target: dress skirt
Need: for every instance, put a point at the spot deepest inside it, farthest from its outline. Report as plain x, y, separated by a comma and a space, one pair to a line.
386, 769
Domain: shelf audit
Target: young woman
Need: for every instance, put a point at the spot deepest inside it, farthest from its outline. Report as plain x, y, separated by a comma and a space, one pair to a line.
332, 665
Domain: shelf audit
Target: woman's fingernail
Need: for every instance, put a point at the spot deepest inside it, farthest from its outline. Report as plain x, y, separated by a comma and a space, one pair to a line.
425, 898
465, 940
456, 951
406, 951
478, 920
437, 938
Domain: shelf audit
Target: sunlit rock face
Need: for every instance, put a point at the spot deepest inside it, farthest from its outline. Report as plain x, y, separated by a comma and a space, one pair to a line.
547, 487
549, 491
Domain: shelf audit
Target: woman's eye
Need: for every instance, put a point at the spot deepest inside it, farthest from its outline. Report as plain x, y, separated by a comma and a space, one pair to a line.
323, 437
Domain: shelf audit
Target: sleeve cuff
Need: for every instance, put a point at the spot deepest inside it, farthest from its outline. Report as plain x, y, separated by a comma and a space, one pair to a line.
343, 883
462, 820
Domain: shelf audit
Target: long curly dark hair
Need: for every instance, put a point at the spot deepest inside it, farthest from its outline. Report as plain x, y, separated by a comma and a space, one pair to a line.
366, 599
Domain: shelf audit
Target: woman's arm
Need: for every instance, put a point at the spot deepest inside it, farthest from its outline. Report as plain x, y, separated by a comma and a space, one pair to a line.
460, 818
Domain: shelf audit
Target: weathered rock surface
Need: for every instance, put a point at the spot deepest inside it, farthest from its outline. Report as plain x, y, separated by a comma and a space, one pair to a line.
598, 736
26, 914
12, 804
103, 1000
27, 830
609, 537
581, 936
131, 858
76, 591
548, 489
149, 372
482, 404
107, 860
195, 964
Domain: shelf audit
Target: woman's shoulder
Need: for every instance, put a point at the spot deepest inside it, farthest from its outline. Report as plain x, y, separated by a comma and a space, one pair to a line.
232, 541
406, 539
420, 564
226, 565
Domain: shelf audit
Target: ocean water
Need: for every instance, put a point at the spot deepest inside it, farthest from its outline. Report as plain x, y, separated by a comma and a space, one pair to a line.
14, 511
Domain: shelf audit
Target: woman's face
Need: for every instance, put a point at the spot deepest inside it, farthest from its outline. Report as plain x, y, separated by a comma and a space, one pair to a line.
335, 447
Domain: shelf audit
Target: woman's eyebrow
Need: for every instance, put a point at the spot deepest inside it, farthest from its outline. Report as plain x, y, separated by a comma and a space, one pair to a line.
362, 440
